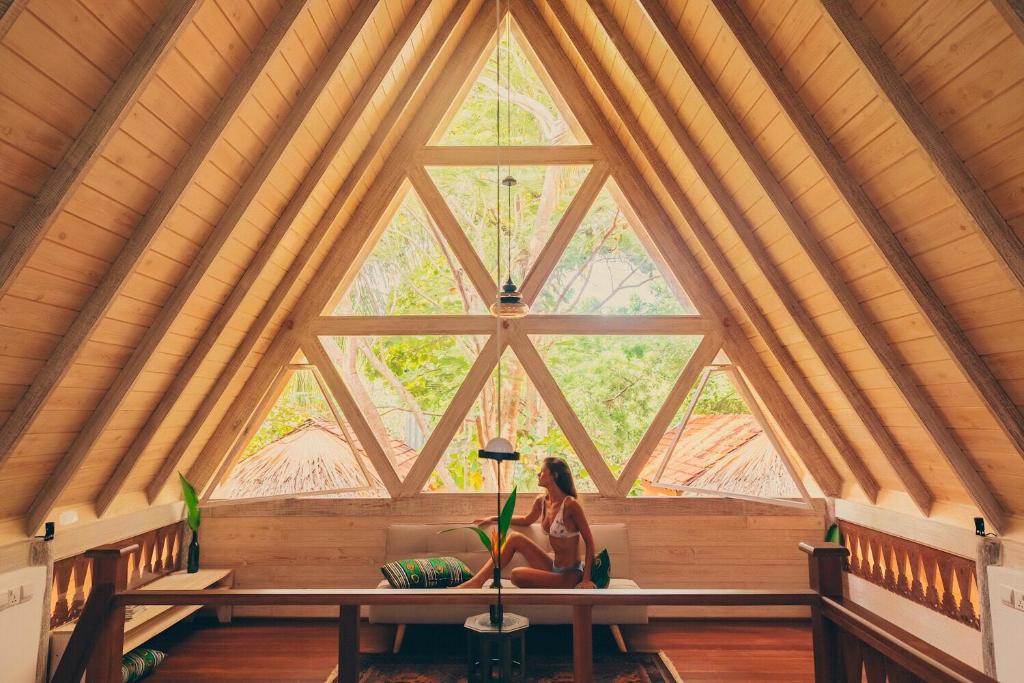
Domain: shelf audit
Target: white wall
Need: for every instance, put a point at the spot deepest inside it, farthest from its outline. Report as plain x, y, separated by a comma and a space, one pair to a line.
1007, 625
21, 626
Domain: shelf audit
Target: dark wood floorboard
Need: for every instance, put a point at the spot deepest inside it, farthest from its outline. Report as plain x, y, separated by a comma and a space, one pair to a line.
306, 650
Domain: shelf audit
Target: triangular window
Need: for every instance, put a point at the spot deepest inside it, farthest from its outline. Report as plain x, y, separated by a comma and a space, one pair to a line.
403, 384
607, 269
536, 114
539, 200
616, 384
720, 446
300, 447
410, 271
525, 420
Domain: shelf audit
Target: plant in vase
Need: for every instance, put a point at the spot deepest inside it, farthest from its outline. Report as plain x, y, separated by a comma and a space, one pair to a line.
188, 492
494, 543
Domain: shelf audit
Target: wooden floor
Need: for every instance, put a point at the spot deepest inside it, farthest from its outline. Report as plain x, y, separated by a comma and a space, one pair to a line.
306, 650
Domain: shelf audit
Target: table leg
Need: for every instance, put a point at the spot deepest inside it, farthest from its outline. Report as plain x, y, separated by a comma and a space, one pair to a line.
348, 644
582, 643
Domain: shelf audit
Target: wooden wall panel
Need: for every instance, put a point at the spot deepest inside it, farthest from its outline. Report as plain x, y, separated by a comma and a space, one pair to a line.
673, 544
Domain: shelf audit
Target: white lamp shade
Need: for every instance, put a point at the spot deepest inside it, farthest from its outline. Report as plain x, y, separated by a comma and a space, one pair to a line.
499, 445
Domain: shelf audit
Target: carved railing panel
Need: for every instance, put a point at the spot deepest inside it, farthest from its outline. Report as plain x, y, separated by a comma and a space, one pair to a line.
937, 579
158, 553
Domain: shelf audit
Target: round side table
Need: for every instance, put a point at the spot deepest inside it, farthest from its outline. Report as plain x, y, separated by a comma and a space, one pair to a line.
493, 655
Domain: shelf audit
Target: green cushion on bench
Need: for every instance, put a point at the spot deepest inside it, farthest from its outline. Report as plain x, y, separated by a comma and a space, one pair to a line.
430, 572
139, 663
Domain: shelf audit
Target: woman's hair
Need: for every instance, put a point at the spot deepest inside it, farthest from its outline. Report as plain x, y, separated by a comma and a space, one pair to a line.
562, 475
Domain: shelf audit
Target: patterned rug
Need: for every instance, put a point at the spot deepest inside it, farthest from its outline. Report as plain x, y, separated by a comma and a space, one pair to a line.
630, 667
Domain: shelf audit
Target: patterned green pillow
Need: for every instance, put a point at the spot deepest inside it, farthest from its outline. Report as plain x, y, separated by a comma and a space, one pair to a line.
429, 572
139, 663
601, 570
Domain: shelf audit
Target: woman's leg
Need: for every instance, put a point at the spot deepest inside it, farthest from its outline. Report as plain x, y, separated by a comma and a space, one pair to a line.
517, 543
529, 577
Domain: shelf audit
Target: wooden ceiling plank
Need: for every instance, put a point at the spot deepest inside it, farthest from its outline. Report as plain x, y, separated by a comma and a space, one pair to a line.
1004, 242
31, 228
915, 397
521, 155
263, 255
741, 226
961, 351
158, 329
454, 415
94, 310
662, 422
314, 350
663, 233
563, 233
565, 416
1013, 13
355, 233
466, 255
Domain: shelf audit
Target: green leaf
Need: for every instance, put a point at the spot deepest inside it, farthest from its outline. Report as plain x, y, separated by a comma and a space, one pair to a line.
191, 502
505, 518
484, 538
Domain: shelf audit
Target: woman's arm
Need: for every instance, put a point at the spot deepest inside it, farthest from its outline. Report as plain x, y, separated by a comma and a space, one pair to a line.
518, 520
580, 518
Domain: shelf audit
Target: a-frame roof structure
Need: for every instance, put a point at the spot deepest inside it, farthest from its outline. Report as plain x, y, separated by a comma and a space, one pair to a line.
187, 185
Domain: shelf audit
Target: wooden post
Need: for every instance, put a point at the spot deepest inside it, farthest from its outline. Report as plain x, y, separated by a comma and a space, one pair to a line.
825, 568
990, 552
348, 644
109, 572
583, 643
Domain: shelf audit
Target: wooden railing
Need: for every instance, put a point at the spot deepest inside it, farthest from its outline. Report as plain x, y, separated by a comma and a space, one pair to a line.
848, 644
157, 552
937, 579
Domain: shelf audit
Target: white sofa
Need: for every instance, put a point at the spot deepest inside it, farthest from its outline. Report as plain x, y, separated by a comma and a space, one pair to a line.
405, 541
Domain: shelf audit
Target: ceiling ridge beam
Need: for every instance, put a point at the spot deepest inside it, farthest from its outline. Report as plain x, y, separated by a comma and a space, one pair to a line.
158, 330
267, 248
1002, 240
779, 287
670, 243
960, 349
92, 313
1013, 13
891, 361
28, 233
357, 229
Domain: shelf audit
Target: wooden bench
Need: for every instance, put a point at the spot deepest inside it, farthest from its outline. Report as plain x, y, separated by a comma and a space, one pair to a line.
156, 565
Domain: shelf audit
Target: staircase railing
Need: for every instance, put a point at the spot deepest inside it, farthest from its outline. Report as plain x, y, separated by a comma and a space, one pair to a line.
847, 640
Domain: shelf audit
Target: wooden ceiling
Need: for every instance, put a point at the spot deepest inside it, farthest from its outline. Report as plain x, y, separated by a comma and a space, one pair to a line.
176, 179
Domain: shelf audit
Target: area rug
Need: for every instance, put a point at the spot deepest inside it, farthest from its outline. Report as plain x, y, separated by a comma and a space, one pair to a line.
629, 667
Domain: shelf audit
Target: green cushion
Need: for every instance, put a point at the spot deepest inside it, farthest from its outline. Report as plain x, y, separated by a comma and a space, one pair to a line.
139, 663
428, 572
601, 570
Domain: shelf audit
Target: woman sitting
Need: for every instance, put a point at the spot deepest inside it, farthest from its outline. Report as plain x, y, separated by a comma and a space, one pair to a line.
564, 521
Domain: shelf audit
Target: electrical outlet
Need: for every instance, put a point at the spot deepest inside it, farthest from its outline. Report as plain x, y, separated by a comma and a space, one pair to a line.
1018, 602
10, 597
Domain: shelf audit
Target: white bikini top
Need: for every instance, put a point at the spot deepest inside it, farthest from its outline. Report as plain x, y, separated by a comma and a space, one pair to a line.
557, 528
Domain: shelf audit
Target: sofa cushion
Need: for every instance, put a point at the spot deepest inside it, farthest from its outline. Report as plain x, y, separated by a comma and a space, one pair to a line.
428, 572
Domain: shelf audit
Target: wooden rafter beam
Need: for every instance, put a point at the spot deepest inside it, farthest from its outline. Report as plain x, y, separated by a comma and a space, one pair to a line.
742, 228
157, 331
675, 253
1004, 242
31, 228
372, 446
8, 16
259, 262
352, 326
465, 254
94, 310
454, 415
915, 397
458, 155
945, 327
563, 233
662, 422
570, 424
901, 264
354, 235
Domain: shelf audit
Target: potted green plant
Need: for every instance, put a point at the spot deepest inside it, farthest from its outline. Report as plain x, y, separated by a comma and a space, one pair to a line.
188, 492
